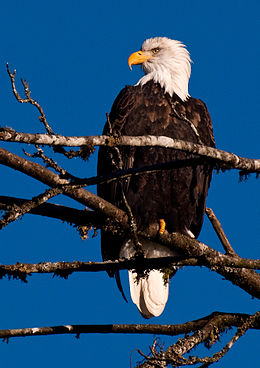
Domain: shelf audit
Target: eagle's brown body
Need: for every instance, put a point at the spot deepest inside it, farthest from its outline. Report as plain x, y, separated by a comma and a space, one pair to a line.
178, 195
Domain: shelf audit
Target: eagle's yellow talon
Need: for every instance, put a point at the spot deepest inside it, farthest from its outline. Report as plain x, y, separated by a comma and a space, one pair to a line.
162, 226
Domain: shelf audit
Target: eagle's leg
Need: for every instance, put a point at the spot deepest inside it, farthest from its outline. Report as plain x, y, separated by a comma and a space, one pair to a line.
162, 226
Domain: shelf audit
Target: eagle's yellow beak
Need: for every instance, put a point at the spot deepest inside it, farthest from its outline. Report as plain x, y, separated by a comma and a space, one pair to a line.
137, 58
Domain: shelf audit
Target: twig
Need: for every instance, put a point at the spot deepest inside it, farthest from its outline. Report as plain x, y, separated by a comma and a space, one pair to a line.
248, 323
56, 211
133, 227
83, 153
126, 173
117, 161
182, 117
220, 232
28, 98
17, 211
49, 162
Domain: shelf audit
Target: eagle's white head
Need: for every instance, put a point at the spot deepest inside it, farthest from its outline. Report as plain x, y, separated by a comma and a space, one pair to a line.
166, 62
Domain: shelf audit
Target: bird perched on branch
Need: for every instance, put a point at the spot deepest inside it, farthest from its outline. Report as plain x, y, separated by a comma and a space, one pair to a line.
171, 200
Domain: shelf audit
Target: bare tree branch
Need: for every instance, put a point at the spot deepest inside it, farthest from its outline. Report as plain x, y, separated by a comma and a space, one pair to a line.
80, 217
67, 268
194, 253
122, 174
28, 98
209, 334
246, 279
82, 152
227, 158
219, 231
56, 211
49, 162
226, 319
46, 176
17, 211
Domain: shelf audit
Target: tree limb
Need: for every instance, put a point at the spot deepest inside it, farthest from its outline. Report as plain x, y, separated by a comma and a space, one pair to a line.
231, 266
227, 158
246, 279
56, 211
225, 319
209, 334
66, 268
48, 177
17, 211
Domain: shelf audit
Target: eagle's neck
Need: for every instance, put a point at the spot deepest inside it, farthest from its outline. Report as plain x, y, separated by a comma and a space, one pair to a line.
172, 74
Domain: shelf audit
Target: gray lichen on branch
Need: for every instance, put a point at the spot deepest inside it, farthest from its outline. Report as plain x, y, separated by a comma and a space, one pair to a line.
233, 268
208, 334
224, 159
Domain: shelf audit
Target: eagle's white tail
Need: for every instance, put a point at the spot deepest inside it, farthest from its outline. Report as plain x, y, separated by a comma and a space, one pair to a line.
150, 294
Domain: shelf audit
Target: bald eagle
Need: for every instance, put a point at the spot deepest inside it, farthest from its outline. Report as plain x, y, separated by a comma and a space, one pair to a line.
159, 104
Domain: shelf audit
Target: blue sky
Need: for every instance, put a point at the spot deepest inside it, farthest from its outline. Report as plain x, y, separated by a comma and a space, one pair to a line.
74, 54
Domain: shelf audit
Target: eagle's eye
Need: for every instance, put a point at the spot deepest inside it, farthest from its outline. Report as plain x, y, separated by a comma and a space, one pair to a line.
155, 50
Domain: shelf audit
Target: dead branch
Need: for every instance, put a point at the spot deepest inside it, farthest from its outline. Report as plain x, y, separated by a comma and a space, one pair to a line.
17, 211
246, 279
206, 330
219, 231
229, 160
28, 98
83, 153
225, 320
124, 264
48, 177
126, 173
116, 175
49, 162
56, 211
209, 334
117, 158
